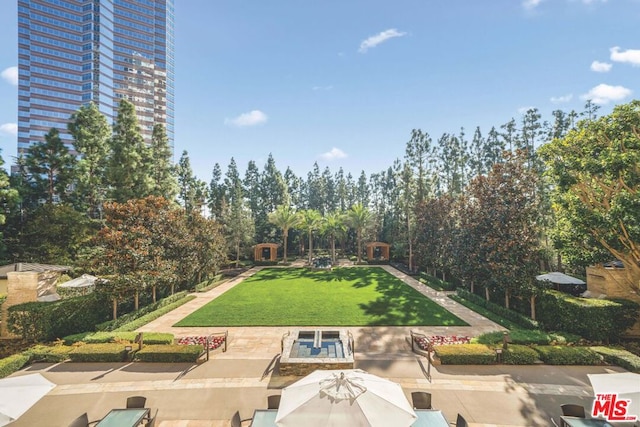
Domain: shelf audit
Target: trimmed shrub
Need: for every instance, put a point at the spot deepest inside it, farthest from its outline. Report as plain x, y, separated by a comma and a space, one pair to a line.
265, 263
526, 337
98, 353
147, 337
46, 321
619, 357
567, 355
141, 321
435, 283
49, 354
112, 325
12, 364
519, 355
593, 319
207, 285
511, 315
169, 353
465, 354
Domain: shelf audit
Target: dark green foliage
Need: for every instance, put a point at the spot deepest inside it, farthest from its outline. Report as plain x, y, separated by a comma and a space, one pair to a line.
511, 315
112, 325
435, 283
12, 364
111, 352
114, 337
568, 355
169, 353
519, 355
207, 285
619, 357
46, 321
485, 312
593, 319
465, 354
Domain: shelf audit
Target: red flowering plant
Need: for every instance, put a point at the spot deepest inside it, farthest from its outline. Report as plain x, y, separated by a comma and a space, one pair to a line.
214, 341
427, 343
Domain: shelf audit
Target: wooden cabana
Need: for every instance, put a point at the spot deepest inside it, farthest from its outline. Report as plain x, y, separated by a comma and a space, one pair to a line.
265, 251
378, 250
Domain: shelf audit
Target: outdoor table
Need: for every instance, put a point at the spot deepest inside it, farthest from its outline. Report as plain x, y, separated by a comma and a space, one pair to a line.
264, 418
430, 418
124, 417
583, 422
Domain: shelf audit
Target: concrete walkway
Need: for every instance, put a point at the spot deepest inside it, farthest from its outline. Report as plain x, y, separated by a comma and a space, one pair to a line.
242, 378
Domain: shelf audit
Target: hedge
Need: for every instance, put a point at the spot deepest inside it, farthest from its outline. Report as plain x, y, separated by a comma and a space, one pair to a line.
112, 325
593, 319
141, 321
619, 357
110, 337
519, 355
435, 283
465, 354
511, 315
169, 353
207, 285
12, 364
526, 337
98, 353
46, 321
568, 355
49, 354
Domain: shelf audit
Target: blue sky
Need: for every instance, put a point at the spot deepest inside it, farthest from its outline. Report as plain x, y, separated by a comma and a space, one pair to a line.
344, 82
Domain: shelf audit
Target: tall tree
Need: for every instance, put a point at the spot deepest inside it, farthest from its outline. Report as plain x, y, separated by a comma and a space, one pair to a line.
595, 170
216, 192
333, 226
128, 169
310, 221
359, 218
50, 166
91, 132
163, 171
187, 184
284, 218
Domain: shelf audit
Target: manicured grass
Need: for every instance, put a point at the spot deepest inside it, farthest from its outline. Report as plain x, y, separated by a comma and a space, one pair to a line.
303, 297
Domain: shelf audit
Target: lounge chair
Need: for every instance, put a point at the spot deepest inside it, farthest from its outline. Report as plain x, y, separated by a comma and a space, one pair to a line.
421, 400
136, 402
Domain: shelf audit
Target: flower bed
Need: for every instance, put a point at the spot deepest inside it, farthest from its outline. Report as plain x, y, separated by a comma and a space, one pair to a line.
424, 342
214, 341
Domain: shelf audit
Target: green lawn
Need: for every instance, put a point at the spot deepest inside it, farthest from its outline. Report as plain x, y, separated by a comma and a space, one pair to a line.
303, 297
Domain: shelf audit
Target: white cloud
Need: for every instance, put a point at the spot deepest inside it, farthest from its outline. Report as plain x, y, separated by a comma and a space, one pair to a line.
604, 93
11, 75
328, 87
252, 118
531, 4
374, 41
600, 67
561, 99
9, 129
334, 153
632, 56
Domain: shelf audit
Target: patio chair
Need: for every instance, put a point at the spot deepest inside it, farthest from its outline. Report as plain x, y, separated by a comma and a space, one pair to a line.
81, 421
152, 420
461, 422
573, 410
273, 401
236, 421
136, 402
421, 400
554, 422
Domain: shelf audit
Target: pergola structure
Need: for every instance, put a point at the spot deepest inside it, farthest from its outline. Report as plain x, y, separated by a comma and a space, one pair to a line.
260, 249
384, 250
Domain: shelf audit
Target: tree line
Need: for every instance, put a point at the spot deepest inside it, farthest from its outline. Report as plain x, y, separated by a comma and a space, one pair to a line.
492, 210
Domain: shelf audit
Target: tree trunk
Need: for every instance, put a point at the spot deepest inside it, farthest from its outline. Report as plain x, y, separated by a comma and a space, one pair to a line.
173, 288
284, 255
559, 261
333, 249
506, 298
533, 307
136, 298
472, 286
486, 293
237, 254
310, 246
153, 293
410, 244
115, 309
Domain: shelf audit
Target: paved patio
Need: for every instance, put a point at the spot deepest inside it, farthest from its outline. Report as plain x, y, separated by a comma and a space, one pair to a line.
243, 377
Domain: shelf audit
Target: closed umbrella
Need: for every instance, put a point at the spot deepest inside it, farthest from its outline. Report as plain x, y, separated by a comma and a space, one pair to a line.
626, 385
351, 397
18, 394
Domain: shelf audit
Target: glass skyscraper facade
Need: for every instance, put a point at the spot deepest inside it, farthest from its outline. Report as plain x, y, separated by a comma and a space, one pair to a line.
71, 52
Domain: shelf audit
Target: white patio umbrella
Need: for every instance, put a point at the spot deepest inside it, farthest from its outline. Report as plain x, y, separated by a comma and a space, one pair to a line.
18, 394
625, 384
560, 278
350, 397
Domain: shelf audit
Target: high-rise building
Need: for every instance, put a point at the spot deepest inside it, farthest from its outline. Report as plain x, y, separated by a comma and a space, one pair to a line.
71, 52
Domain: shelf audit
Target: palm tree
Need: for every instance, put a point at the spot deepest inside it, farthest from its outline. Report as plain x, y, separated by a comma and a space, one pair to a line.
310, 221
333, 226
285, 218
358, 217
